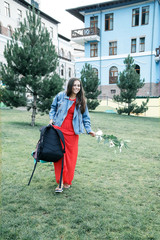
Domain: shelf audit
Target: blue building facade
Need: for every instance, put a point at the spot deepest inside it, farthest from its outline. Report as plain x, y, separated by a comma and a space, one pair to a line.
112, 31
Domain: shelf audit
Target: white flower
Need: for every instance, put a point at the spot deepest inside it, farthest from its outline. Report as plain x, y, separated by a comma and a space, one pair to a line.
122, 144
99, 134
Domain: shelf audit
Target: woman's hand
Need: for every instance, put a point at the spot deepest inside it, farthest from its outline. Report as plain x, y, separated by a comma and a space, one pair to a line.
51, 121
92, 134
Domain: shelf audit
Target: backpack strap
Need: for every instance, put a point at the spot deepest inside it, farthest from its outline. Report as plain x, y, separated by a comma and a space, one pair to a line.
60, 181
32, 172
60, 134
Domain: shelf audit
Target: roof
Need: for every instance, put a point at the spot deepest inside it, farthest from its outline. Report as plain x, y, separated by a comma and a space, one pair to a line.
63, 37
79, 11
42, 14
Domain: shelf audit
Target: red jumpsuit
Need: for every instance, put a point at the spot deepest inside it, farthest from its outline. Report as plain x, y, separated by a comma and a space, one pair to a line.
71, 147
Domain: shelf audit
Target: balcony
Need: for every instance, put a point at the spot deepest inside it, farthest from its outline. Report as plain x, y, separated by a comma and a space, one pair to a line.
81, 36
157, 56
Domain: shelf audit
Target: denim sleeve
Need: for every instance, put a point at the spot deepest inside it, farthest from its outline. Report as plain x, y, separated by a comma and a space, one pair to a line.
53, 110
86, 120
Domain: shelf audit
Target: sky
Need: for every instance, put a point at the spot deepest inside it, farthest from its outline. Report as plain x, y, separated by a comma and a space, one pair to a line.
56, 9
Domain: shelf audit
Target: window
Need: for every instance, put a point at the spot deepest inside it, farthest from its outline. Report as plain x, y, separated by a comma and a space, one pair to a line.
135, 17
133, 45
69, 72
113, 91
113, 48
51, 32
94, 22
109, 22
94, 50
142, 44
0, 28
62, 70
145, 15
9, 31
19, 12
69, 55
137, 68
7, 9
62, 52
158, 51
96, 71
113, 75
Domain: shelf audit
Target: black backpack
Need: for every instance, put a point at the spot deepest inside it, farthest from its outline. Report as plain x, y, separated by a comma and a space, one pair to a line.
50, 148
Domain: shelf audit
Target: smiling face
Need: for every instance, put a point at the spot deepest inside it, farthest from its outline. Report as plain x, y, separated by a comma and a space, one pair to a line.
76, 87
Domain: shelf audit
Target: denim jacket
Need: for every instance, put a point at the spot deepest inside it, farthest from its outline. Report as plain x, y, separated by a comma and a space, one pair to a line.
59, 109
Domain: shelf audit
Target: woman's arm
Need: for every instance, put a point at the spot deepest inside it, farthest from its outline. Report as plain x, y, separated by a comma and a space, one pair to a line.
53, 110
87, 122
54, 107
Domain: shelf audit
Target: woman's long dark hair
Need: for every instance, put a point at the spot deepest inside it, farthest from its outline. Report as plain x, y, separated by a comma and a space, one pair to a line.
80, 97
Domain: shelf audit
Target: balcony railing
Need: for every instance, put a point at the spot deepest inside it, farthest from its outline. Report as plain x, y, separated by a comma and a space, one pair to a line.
158, 52
85, 32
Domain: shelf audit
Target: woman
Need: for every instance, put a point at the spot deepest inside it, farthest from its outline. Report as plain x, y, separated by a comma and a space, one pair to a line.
69, 113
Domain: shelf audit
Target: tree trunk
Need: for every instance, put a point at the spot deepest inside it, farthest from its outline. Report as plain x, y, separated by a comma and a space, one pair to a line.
129, 109
34, 108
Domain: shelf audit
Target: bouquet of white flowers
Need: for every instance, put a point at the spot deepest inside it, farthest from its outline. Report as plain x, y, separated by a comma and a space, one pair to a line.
112, 140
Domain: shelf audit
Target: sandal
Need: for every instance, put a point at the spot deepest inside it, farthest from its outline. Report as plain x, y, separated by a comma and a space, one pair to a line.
58, 189
66, 186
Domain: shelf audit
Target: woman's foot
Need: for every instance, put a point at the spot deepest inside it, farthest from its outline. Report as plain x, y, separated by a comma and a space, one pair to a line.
66, 185
59, 189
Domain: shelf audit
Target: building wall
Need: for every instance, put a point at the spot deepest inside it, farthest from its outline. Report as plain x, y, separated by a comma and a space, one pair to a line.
66, 61
123, 32
13, 19
13, 22
59, 43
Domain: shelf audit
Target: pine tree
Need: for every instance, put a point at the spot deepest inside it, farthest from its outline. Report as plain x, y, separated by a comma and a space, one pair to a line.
129, 83
90, 83
31, 63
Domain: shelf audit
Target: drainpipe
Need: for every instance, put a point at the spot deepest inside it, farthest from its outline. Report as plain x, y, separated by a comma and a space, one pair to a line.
100, 65
150, 93
58, 56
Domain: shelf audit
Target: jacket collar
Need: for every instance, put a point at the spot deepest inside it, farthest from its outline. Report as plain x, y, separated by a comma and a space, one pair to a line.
65, 95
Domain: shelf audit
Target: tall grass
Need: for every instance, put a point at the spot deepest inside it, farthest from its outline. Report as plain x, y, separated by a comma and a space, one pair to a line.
114, 195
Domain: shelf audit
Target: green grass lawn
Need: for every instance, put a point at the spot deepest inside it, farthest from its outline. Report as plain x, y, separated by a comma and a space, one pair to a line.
114, 196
